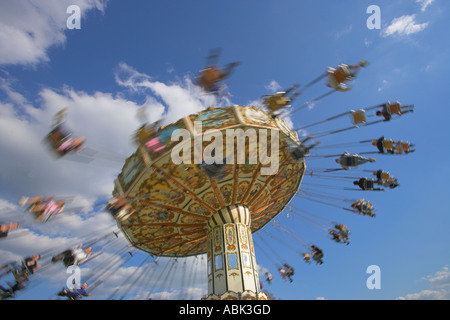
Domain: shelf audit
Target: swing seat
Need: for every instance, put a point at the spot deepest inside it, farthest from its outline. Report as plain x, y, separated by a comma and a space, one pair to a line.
349, 162
342, 74
385, 176
209, 77
277, 102
366, 206
144, 134
395, 108
398, 149
358, 117
211, 74
405, 146
388, 144
50, 215
317, 256
59, 117
368, 184
37, 214
78, 143
70, 145
56, 137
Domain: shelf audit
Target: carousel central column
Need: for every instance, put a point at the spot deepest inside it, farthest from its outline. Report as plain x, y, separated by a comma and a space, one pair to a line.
232, 268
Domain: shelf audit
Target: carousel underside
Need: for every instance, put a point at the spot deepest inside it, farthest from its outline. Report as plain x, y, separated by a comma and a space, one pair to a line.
174, 202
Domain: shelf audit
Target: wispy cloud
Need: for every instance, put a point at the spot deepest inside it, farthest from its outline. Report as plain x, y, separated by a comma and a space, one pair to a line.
383, 85
343, 32
29, 28
424, 4
439, 287
404, 26
179, 98
273, 86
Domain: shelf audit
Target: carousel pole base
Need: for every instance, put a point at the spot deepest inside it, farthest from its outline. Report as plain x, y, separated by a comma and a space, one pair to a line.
231, 295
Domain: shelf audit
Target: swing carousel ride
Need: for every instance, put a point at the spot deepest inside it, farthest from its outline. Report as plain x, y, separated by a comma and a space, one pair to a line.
227, 174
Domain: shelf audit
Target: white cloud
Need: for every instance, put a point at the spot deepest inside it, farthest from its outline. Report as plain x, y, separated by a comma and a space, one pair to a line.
341, 33
29, 169
424, 4
440, 279
427, 295
439, 287
257, 103
404, 26
383, 85
170, 69
179, 99
273, 86
29, 28
108, 121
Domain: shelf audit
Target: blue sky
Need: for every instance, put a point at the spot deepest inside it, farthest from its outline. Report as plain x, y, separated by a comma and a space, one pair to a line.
129, 54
